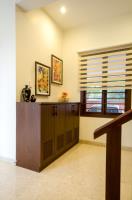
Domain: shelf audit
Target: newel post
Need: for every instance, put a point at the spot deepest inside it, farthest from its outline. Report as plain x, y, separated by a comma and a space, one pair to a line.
113, 164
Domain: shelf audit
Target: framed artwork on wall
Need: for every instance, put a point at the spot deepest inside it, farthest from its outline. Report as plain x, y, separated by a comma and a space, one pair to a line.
56, 70
42, 79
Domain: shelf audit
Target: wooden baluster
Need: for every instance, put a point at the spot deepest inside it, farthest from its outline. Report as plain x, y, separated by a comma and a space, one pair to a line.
113, 164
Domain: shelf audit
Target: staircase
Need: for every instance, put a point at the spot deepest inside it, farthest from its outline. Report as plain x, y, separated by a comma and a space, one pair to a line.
113, 131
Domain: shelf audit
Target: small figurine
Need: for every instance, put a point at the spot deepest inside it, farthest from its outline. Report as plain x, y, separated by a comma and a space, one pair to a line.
33, 98
64, 97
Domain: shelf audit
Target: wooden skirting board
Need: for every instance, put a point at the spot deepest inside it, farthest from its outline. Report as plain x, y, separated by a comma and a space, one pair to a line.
125, 148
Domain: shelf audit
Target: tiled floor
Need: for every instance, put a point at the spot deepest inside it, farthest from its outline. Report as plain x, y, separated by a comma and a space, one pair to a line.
77, 175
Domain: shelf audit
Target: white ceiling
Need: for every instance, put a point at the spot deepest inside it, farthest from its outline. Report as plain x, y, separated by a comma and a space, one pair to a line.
31, 4
86, 11
79, 12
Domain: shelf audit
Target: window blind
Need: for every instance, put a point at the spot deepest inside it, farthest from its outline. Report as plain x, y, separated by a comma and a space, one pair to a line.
109, 68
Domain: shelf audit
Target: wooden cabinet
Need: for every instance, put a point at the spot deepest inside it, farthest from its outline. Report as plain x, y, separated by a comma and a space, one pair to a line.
44, 132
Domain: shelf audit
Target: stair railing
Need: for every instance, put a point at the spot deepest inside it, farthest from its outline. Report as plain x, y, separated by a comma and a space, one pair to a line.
113, 153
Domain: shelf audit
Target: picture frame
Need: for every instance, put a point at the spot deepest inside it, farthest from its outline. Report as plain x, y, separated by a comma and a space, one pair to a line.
56, 70
42, 79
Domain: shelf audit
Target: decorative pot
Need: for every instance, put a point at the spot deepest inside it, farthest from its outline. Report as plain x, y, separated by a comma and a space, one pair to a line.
26, 92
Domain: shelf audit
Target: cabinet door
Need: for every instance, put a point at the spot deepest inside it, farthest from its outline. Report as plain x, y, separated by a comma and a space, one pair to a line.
75, 114
59, 124
69, 124
47, 132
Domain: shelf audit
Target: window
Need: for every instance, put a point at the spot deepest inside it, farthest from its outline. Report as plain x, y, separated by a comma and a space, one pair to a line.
105, 102
106, 81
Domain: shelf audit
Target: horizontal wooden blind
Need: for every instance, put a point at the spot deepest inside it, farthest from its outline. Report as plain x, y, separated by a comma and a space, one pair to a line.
106, 69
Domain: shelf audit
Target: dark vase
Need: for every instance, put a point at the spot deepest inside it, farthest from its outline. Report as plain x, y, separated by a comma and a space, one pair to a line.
26, 93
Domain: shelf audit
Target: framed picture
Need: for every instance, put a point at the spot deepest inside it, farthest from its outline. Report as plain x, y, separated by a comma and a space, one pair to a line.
56, 70
42, 79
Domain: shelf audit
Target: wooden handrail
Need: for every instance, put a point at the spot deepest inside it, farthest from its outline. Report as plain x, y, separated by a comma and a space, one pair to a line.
118, 121
113, 153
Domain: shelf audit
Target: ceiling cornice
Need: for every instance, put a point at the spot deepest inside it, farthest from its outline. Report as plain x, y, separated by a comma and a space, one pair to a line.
32, 4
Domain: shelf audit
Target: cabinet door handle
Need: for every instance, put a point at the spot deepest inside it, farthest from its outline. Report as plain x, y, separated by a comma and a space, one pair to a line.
56, 111
73, 109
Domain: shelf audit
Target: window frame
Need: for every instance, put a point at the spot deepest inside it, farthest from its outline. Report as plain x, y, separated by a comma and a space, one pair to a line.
103, 114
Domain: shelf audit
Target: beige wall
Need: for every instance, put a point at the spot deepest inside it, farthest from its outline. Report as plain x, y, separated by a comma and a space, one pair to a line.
37, 38
102, 34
